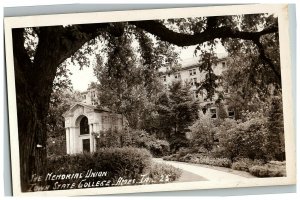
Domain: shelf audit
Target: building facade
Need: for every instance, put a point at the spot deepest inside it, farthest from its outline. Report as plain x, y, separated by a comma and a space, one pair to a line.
82, 121
89, 97
189, 73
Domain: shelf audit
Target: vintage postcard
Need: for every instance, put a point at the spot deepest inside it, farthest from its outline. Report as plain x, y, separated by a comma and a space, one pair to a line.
150, 100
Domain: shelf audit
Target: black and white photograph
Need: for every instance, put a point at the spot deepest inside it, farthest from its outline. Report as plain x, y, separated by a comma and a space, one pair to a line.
150, 100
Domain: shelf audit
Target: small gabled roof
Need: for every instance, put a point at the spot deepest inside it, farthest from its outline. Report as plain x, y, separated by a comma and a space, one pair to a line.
94, 108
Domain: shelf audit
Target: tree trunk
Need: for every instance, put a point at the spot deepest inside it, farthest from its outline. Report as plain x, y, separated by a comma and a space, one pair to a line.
33, 89
31, 128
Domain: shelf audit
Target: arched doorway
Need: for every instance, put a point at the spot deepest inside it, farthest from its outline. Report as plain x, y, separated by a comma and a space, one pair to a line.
84, 126
84, 130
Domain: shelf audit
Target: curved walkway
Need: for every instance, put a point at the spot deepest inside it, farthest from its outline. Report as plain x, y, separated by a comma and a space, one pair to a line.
204, 172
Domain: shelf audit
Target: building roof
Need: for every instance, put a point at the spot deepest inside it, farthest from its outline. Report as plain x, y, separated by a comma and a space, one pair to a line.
190, 62
94, 108
194, 62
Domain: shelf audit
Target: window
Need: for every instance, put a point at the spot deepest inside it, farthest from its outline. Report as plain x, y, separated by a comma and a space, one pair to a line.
177, 75
196, 95
213, 113
231, 113
193, 81
223, 64
84, 126
194, 71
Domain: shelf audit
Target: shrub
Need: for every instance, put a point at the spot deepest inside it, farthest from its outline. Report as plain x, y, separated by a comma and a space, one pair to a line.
133, 138
158, 148
201, 133
200, 159
126, 162
244, 140
164, 173
244, 164
173, 157
268, 170
110, 138
221, 162
177, 142
275, 162
142, 139
219, 152
186, 158
56, 146
183, 151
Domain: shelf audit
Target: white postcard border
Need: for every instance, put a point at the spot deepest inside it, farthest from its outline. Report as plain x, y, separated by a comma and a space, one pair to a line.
98, 17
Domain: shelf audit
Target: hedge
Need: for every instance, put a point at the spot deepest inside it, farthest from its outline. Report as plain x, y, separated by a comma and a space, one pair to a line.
128, 163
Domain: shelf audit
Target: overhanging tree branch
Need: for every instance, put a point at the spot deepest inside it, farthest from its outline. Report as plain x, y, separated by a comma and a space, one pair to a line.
264, 57
182, 39
211, 33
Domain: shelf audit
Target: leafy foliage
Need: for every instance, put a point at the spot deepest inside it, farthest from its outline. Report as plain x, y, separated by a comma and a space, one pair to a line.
127, 86
269, 170
126, 162
202, 133
275, 145
132, 138
177, 110
183, 107
244, 164
245, 139
161, 170
200, 159
60, 103
56, 146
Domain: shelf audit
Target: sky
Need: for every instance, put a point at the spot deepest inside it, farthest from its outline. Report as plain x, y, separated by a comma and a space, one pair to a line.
82, 78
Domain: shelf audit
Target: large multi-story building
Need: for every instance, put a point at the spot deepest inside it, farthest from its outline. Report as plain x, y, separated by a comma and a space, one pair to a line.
189, 73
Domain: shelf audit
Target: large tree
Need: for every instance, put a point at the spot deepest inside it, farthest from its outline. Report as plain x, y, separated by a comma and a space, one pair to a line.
34, 77
127, 85
178, 109
252, 77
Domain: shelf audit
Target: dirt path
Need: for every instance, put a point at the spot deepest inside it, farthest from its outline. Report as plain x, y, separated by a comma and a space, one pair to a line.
193, 172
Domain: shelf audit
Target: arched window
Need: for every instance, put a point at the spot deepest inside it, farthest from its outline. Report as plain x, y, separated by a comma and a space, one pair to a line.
84, 126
